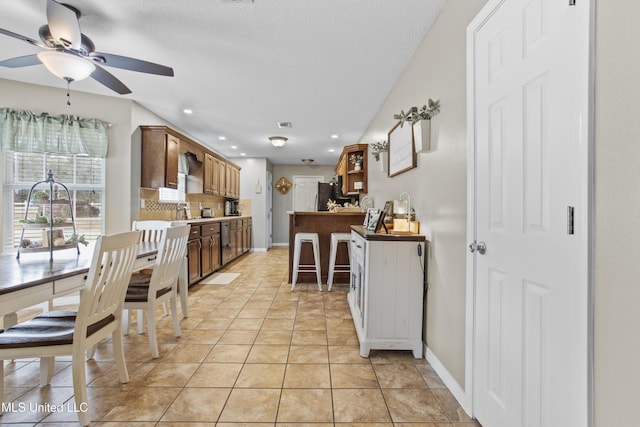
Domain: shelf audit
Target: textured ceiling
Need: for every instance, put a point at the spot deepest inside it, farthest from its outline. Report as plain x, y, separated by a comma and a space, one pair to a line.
324, 65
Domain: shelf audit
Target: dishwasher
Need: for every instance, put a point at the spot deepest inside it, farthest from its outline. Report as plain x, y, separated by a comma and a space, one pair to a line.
225, 241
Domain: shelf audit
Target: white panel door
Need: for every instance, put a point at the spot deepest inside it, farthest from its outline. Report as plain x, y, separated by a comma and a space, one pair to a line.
529, 73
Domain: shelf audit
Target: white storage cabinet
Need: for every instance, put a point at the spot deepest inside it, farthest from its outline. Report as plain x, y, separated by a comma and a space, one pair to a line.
386, 291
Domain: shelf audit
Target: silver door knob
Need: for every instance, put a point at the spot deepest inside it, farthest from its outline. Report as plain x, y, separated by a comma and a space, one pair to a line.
479, 247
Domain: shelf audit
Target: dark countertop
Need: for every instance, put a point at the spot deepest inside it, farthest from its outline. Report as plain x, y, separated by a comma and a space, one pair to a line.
197, 221
34, 269
325, 213
382, 236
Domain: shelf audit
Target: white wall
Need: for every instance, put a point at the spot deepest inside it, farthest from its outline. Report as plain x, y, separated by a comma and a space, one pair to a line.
617, 223
438, 185
254, 171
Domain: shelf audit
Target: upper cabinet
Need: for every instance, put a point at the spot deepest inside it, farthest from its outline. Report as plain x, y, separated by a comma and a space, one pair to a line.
352, 167
208, 173
232, 181
160, 151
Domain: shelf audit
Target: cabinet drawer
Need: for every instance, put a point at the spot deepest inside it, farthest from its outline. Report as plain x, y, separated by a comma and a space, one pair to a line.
358, 247
195, 232
209, 229
68, 284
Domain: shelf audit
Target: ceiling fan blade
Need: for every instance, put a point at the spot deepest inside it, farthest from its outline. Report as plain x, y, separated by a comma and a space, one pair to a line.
64, 26
132, 64
109, 80
21, 61
21, 37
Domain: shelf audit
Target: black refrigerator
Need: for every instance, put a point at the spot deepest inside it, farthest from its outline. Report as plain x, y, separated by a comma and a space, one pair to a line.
325, 193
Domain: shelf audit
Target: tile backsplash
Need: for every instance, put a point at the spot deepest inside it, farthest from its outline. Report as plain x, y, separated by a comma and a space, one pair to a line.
152, 209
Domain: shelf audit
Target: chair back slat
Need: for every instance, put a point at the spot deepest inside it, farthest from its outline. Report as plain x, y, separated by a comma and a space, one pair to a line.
152, 230
107, 280
171, 252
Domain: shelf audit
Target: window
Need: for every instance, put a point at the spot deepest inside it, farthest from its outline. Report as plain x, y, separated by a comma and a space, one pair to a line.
83, 176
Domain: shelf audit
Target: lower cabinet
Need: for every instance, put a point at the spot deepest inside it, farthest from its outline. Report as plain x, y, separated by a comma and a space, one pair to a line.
386, 291
210, 251
193, 255
212, 245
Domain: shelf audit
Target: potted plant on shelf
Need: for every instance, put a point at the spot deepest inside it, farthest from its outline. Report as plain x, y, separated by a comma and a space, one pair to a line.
421, 122
356, 161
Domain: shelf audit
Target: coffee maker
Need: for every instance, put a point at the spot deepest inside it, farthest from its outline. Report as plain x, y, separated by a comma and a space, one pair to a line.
231, 208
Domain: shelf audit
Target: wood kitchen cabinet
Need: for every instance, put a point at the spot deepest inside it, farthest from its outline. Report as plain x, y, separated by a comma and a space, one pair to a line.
210, 248
209, 186
193, 255
354, 180
246, 235
232, 181
386, 290
208, 172
160, 151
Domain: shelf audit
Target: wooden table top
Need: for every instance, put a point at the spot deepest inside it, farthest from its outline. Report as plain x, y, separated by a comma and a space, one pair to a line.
33, 269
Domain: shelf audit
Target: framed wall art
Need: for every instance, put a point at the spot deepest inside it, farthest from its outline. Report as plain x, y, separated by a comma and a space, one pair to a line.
402, 155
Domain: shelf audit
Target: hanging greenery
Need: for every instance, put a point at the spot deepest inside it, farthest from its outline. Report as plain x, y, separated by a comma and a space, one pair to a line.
413, 115
379, 147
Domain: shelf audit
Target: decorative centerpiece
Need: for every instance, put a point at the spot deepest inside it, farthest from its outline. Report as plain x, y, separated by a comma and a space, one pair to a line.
356, 161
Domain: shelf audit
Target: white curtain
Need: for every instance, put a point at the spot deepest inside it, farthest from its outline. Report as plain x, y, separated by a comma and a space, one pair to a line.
26, 131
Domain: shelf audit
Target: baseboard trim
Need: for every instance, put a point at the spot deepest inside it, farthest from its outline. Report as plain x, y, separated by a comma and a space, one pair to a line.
280, 244
448, 380
259, 250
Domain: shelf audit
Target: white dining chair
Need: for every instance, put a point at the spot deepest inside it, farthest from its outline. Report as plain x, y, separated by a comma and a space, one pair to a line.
59, 333
145, 292
152, 232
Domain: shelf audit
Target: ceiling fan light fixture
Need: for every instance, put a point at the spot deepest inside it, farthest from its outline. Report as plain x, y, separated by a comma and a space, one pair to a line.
307, 161
66, 65
278, 141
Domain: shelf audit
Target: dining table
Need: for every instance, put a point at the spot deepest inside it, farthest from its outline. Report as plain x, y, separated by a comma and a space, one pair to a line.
33, 278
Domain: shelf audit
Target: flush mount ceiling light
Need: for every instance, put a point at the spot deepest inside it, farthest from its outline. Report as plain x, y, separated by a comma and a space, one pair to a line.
307, 161
278, 141
66, 66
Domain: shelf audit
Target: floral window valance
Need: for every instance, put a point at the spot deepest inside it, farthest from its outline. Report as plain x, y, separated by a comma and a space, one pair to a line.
30, 132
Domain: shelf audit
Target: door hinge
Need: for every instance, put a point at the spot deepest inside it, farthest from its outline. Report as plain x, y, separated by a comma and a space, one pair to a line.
570, 228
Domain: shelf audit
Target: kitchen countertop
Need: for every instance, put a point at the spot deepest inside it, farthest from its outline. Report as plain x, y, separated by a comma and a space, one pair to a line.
403, 236
322, 213
205, 220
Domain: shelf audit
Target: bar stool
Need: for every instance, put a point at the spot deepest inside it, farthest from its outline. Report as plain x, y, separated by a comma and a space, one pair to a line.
336, 239
299, 240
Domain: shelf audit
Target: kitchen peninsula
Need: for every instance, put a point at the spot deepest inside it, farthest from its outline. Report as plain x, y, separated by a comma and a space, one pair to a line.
323, 223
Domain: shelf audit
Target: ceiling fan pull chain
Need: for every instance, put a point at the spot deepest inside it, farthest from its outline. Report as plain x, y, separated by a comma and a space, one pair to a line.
68, 96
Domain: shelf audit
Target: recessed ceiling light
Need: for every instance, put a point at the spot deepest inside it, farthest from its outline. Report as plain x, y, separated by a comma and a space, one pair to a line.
222, 137
285, 125
235, 147
334, 136
331, 150
187, 111
243, 154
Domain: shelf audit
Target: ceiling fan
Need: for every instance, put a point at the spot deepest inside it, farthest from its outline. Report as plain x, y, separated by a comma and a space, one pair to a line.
71, 55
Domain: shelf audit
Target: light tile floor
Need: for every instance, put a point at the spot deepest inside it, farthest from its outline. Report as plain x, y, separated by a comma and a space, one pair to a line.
251, 353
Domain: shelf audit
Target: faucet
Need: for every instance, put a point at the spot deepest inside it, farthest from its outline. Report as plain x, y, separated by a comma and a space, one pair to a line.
404, 193
181, 206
